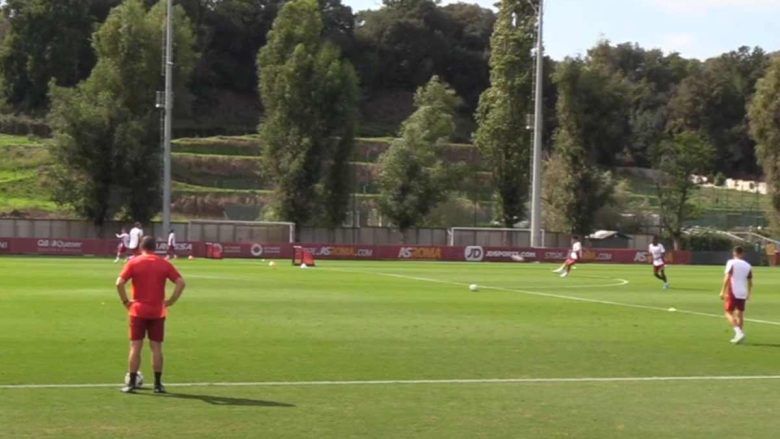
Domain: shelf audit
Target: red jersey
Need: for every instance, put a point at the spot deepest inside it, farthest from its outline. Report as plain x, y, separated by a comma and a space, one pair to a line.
149, 274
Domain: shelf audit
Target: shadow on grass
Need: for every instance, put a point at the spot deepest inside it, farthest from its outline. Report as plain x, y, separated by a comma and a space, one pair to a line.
762, 345
221, 400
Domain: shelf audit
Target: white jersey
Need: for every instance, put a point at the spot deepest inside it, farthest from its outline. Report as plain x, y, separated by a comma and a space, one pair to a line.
657, 252
135, 238
171, 239
739, 273
124, 237
576, 248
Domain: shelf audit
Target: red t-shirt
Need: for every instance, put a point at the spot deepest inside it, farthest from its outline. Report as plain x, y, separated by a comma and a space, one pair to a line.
149, 274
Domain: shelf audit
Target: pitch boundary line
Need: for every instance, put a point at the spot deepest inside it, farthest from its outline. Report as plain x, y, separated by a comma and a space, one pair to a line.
417, 382
566, 297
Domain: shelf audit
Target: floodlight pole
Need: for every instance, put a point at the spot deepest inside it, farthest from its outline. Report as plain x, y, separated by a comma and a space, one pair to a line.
166, 201
536, 168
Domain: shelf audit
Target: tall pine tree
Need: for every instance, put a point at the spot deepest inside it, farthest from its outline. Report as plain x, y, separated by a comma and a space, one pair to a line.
502, 136
575, 188
310, 99
414, 176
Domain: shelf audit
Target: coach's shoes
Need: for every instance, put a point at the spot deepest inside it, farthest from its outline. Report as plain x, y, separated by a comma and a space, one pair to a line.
128, 389
159, 389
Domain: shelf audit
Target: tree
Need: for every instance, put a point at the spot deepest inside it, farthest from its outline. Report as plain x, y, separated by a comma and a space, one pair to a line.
310, 96
502, 136
405, 42
649, 78
413, 175
713, 102
764, 115
575, 188
106, 128
47, 40
676, 160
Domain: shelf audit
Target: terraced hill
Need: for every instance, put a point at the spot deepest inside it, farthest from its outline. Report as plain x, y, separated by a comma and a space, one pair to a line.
222, 176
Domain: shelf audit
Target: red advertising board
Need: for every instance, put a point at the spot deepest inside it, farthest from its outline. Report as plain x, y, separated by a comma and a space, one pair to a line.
78, 247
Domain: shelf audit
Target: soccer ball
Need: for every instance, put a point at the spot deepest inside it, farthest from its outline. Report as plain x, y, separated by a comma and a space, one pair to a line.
272, 264
473, 288
304, 266
139, 380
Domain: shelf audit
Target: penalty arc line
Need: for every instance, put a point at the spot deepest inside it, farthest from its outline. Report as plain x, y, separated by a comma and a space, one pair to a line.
566, 297
417, 382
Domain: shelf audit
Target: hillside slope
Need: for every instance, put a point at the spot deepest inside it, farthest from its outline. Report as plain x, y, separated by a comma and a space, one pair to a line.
222, 176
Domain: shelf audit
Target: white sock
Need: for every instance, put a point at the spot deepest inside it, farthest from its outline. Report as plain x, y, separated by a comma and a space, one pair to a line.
738, 331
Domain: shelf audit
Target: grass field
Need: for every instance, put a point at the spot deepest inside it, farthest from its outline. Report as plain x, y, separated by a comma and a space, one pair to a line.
356, 349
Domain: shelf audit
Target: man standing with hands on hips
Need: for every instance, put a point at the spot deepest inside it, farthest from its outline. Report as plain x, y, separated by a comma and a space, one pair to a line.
148, 308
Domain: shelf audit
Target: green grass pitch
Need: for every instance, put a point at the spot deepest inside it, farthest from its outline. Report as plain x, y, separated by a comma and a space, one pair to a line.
326, 336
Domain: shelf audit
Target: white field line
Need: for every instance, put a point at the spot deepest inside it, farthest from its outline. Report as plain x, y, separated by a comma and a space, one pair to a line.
417, 382
565, 297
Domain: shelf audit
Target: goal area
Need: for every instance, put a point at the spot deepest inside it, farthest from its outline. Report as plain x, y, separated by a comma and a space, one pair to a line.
491, 237
241, 231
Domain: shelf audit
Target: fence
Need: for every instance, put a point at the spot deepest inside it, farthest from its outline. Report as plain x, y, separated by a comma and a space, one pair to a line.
244, 232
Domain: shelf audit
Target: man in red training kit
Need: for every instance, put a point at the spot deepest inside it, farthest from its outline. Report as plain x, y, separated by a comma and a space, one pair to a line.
148, 308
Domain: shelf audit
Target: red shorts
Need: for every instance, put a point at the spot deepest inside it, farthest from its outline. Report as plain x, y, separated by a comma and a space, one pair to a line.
733, 303
171, 250
121, 248
571, 261
135, 251
657, 268
139, 327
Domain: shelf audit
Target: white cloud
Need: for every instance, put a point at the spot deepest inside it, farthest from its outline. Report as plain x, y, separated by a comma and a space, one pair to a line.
677, 42
704, 6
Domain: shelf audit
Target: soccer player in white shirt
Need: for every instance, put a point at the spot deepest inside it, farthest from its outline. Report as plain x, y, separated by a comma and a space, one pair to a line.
736, 290
136, 233
171, 252
575, 254
657, 252
124, 241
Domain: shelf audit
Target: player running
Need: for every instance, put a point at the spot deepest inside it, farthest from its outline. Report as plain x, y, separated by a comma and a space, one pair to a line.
736, 290
657, 252
575, 254
124, 241
134, 245
171, 252
148, 309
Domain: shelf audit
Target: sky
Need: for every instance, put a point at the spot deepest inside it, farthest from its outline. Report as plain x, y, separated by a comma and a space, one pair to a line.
694, 28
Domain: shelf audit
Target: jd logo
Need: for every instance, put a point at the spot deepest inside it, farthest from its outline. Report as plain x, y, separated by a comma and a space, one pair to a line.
474, 253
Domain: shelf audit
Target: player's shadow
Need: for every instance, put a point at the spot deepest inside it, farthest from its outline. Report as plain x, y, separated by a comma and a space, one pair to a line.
223, 400
763, 345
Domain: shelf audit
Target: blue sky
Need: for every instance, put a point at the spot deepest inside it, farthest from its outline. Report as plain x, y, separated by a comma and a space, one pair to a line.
695, 28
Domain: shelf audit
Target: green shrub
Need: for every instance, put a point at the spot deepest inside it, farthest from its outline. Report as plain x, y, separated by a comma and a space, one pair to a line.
23, 125
707, 241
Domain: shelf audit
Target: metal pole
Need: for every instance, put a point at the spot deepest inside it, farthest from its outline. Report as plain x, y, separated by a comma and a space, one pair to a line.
166, 201
536, 178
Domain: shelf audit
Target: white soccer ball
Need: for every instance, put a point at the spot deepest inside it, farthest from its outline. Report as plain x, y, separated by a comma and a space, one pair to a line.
474, 288
304, 266
139, 380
